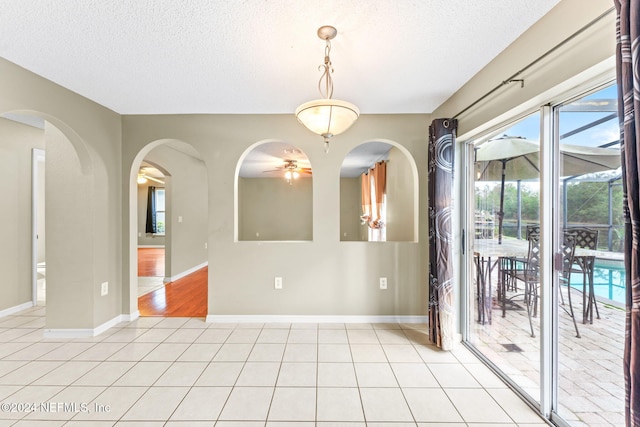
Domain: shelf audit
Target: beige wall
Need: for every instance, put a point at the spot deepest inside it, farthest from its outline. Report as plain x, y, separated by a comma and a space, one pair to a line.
186, 209
322, 276
70, 271
93, 132
564, 67
273, 209
351, 227
400, 195
16, 144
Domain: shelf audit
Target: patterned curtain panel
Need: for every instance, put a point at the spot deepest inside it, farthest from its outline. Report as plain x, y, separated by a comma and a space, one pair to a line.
628, 71
442, 133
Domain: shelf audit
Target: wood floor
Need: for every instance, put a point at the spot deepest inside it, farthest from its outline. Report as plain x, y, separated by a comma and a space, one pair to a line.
150, 262
186, 297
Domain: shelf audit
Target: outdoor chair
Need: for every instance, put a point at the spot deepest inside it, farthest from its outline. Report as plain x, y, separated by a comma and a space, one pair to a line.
514, 264
586, 238
527, 272
529, 275
568, 249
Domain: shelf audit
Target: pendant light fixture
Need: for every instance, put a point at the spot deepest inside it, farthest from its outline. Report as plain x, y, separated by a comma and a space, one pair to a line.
327, 117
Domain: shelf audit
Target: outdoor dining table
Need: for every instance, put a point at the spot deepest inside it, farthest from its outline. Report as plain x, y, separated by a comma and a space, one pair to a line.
487, 255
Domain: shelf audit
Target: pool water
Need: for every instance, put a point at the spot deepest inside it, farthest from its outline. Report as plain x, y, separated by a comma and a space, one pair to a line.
608, 281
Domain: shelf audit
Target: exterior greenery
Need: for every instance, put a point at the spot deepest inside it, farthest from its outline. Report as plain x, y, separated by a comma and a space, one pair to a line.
587, 205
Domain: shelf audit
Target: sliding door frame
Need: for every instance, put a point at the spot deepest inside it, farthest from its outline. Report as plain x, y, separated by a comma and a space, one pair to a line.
550, 224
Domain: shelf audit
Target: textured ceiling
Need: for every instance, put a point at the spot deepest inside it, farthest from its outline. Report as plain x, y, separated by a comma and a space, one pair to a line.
260, 56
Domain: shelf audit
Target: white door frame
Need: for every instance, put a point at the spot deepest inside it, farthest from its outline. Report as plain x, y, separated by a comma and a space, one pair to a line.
37, 155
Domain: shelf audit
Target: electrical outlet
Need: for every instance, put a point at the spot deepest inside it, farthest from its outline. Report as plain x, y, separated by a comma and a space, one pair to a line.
104, 288
205, 245
277, 283
383, 283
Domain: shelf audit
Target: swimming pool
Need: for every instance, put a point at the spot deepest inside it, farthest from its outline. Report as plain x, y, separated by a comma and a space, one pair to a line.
608, 281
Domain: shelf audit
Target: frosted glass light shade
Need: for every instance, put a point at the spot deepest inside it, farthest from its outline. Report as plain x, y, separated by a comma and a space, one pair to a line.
327, 117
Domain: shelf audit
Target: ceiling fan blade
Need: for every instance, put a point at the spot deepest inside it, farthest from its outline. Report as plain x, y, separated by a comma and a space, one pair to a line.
154, 179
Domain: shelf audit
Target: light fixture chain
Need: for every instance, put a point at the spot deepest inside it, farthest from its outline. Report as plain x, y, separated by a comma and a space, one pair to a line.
327, 69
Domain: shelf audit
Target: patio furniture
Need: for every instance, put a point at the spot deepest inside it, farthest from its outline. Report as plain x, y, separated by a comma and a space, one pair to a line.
529, 275
488, 255
586, 238
513, 264
568, 250
484, 268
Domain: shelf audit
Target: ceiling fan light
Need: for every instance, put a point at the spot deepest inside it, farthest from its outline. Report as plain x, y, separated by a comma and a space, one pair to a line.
287, 174
327, 117
296, 175
141, 179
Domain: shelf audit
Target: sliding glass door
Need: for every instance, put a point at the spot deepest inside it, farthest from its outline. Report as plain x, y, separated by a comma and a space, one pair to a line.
590, 315
545, 280
504, 324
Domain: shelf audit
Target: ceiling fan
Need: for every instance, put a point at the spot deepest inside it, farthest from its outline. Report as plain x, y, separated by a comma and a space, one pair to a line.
291, 170
143, 177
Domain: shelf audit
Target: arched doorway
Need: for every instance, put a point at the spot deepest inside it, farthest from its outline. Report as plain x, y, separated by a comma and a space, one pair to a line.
176, 203
76, 187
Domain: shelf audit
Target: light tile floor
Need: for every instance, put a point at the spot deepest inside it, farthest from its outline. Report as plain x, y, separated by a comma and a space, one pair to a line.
185, 372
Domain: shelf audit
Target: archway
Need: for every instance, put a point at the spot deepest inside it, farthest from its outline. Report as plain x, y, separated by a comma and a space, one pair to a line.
76, 185
184, 188
401, 196
273, 193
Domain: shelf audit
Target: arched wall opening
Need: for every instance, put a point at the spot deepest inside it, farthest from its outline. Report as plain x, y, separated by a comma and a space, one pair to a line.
74, 191
402, 192
185, 191
273, 193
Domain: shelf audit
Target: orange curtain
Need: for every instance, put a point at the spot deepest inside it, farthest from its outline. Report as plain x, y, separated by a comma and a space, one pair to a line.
365, 189
379, 173
373, 189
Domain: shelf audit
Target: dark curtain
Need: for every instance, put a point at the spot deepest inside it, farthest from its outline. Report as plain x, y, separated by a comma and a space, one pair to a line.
627, 65
441, 307
151, 226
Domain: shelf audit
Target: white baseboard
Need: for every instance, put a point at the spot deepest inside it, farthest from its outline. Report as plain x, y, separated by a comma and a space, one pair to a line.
185, 273
85, 333
130, 317
259, 318
15, 309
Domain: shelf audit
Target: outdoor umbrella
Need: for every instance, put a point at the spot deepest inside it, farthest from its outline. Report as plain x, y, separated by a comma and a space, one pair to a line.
518, 159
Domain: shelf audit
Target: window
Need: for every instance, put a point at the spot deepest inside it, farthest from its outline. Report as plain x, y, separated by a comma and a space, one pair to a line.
160, 211
156, 209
